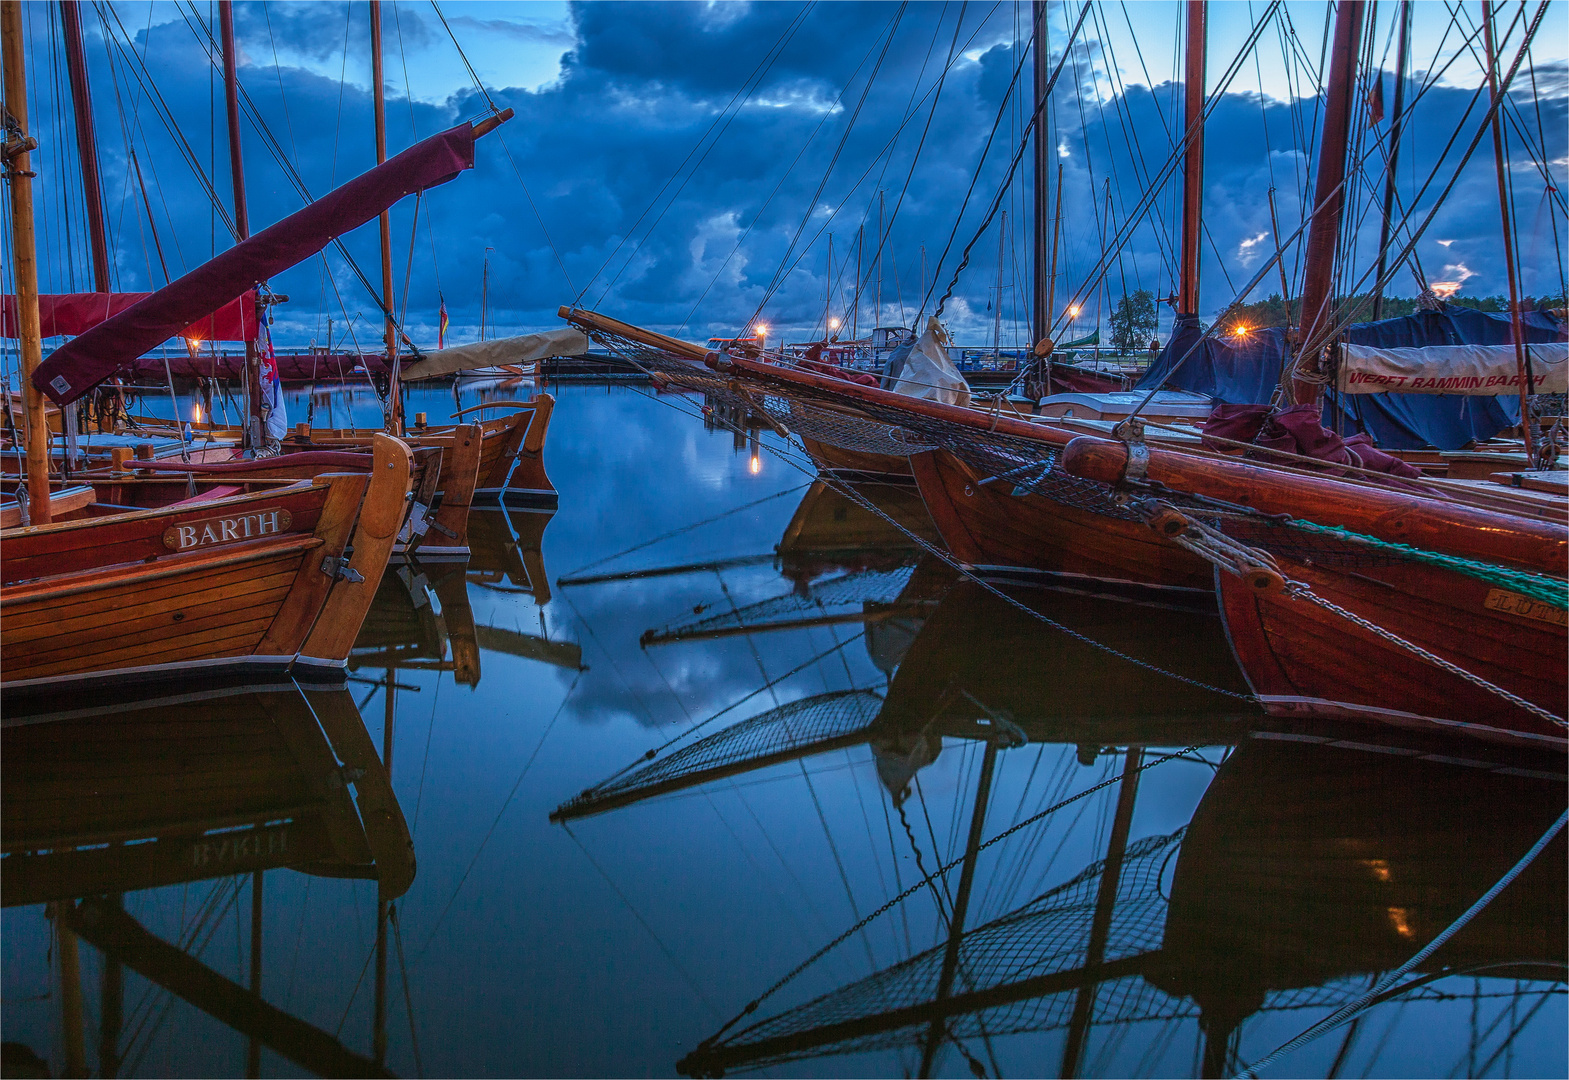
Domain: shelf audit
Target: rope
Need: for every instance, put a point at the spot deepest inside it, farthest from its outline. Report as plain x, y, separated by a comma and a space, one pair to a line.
1351, 1009
1537, 586
942, 870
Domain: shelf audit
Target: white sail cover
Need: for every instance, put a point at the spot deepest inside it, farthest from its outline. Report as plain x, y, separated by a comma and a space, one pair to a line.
929, 373
1477, 370
523, 349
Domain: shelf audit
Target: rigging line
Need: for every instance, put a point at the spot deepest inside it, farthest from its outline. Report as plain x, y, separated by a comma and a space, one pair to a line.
721, 123
1352, 311
501, 137
1509, 1041
464, 57
945, 909
408, 998
419, 796
811, 204
751, 1006
161, 109
921, 143
780, 184
564, 579
1211, 104
1035, 115
499, 814
670, 956
1353, 1008
884, 156
277, 67
259, 124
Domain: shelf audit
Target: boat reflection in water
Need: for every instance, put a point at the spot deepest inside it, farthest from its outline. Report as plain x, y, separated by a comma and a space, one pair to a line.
1314, 862
103, 801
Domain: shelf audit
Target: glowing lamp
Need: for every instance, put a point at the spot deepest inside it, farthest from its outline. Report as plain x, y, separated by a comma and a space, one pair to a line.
755, 466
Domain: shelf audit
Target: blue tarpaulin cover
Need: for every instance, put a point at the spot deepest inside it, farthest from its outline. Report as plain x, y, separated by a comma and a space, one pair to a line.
1241, 371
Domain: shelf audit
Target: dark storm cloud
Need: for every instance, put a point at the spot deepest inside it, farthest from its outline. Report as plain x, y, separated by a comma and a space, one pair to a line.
646, 83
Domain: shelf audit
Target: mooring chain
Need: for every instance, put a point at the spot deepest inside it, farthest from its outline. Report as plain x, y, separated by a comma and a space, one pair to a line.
1261, 573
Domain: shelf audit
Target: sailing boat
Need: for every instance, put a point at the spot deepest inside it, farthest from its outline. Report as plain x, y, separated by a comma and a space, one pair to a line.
478, 462
218, 583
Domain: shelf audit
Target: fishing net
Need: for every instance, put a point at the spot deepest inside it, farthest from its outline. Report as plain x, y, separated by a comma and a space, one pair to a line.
795, 729
1020, 973
844, 592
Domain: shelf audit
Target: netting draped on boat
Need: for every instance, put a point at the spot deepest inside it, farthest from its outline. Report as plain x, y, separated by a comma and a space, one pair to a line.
831, 418
794, 729
843, 593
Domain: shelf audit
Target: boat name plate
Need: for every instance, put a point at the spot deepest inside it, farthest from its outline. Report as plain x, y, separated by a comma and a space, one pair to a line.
209, 532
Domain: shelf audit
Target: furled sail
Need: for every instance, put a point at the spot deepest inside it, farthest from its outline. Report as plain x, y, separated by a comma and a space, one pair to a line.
82, 363
523, 349
70, 314
1476, 370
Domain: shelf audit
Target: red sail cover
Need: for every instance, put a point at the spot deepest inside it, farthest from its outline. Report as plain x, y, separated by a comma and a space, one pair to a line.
71, 314
80, 364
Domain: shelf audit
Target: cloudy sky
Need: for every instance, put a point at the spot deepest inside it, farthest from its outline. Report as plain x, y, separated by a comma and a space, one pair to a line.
684, 166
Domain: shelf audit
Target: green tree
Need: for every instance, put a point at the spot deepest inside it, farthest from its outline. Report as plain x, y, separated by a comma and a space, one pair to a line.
1133, 323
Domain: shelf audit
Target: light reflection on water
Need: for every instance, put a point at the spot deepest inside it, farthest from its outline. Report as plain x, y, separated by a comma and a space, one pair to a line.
616, 942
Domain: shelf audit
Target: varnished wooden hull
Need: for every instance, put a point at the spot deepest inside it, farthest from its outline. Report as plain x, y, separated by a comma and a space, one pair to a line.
987, 526
1304, 661
857, 463
117, 599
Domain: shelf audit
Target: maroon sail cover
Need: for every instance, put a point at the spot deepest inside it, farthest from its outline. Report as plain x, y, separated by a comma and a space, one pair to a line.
71, 314
79, 365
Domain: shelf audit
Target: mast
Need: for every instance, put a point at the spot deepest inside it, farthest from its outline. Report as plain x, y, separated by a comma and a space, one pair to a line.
86, 141
1394, 155
961, 904
390, 333
1193, 158
1329, 199
1516, 329
255, 432
19, 175
1040, 307
855, 320
877, 309
1002, 232
828, 292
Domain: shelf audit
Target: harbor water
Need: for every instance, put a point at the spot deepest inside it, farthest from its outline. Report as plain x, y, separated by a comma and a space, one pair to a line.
720, 768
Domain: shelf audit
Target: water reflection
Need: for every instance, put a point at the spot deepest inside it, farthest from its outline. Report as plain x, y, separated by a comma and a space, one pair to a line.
654, 752
218, 787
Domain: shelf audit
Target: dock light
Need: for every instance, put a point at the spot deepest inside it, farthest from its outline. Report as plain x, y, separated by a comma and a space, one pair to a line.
1073, 311
1240, 331
833, 324
761, 330
196, 414
755, 466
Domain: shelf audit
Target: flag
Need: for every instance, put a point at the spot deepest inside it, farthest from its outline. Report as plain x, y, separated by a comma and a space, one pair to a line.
274, 414
441, 324
1375, 101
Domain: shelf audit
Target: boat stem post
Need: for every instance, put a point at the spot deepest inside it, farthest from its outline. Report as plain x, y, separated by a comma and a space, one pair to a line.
19, 174
72, 1032
253, 1046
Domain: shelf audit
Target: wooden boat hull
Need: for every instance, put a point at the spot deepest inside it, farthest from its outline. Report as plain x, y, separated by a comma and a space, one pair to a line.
1304, 661
256, 585
858, 464
989, 527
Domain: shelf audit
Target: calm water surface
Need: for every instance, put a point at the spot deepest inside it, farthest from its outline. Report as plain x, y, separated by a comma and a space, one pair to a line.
822, 703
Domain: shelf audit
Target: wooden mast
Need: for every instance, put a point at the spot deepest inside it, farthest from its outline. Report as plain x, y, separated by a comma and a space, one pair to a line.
1395, 119
390, 334
86, 141
1193, 158
19, 175
1329, 199
1040, 308
255, 431
1516, 328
